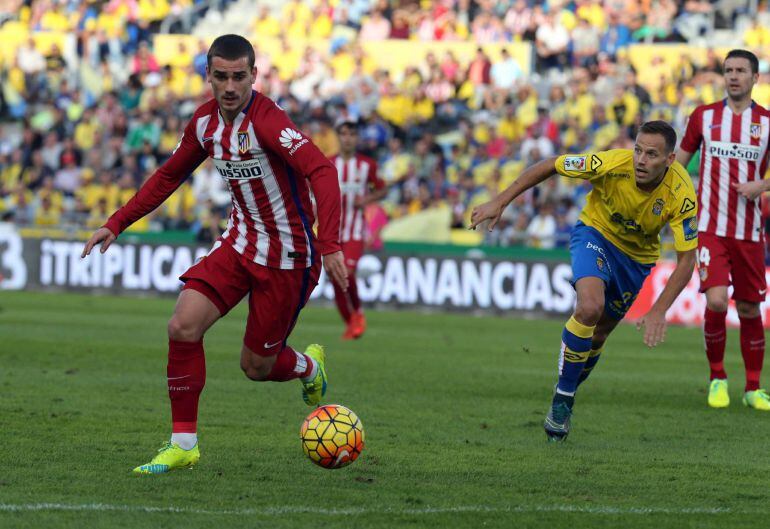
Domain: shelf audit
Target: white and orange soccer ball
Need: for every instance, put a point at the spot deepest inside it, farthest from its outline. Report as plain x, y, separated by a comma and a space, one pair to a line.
332, 436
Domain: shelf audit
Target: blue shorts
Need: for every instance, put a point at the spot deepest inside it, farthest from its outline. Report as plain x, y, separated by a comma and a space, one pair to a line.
595, 256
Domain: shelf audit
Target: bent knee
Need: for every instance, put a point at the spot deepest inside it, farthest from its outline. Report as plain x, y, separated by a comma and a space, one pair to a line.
588, 312
747, 310
183, 331
717, 304
256, 370
257, 375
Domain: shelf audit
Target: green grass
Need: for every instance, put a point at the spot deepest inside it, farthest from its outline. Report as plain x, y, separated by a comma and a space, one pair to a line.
452, 406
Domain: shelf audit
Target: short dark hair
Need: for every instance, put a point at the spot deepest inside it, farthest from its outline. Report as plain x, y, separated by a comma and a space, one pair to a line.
662, 128
231, 47
745, 54
347, 124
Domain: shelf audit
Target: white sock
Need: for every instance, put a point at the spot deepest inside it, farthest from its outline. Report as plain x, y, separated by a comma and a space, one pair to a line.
186, 441
313, 370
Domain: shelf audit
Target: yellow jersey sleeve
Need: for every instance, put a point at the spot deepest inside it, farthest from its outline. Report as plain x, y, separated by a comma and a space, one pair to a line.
684, 221
588, 166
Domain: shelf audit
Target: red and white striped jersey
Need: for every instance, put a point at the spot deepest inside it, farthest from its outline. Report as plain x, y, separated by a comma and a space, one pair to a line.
266, 163
357, 177
734, 149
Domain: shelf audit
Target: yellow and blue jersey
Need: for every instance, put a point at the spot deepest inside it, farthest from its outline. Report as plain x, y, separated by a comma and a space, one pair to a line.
628, 217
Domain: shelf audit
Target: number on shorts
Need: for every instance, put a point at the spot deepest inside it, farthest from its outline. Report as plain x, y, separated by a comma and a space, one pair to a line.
704, 257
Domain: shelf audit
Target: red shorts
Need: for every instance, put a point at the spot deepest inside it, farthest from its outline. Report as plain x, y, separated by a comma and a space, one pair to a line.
352, 250
723, 258
275, 296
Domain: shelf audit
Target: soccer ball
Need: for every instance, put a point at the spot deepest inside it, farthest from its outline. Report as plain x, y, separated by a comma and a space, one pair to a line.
332, 436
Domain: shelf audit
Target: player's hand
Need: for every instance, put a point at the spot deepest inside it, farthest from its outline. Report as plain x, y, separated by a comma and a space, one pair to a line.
654, 323
334, 264
491, 210
102, 235
749, 190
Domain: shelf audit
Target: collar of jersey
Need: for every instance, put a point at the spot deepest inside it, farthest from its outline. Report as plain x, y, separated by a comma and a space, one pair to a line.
247, 107
724, 103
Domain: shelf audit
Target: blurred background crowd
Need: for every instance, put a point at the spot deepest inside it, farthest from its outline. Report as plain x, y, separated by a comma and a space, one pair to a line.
453, 97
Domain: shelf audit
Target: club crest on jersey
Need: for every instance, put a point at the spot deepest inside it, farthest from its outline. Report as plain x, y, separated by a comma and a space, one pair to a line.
657, 208
755, 131
244, 143
599, 263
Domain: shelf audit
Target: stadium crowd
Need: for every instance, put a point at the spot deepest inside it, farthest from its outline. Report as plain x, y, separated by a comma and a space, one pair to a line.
81, 131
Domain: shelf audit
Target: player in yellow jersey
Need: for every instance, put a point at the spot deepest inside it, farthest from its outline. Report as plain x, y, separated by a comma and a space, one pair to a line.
614, 246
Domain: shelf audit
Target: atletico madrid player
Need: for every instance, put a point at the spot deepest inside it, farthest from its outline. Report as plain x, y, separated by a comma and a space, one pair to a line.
732, 135
267, 251
359, 185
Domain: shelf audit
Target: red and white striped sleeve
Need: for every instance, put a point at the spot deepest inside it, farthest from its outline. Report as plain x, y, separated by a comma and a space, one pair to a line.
694, 133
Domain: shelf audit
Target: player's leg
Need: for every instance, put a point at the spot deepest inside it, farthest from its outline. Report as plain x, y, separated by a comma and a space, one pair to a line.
715, 330
753, 352
212, 287
276, 299
575, 350
749, 291
358, 319
590, 271
577, 336
193, 315
621, 290
344, 307
715, 338
603, 329
186, 372
714, 270
348, 301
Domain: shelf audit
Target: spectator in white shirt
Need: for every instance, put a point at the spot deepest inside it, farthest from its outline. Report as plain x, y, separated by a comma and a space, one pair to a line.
551, 41
31, 61
505, 73
376, 27
541, 232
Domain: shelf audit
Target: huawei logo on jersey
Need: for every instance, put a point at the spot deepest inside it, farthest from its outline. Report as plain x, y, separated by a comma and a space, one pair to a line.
292, 140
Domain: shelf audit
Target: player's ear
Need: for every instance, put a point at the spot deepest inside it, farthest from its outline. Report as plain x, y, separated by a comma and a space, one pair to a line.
671, 157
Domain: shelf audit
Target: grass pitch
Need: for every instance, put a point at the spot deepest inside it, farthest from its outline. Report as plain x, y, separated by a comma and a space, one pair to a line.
452, 407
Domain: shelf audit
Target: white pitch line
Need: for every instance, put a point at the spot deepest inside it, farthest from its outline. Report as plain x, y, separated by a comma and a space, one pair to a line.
292, 509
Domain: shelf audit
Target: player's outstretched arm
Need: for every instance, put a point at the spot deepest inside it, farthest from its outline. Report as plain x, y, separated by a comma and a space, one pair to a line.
532, 175
102, 235
654, 322
188, 155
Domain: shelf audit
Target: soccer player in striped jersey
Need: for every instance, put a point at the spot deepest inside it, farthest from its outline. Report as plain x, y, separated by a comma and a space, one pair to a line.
732, 135
614, 246
267, 251
359, 185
